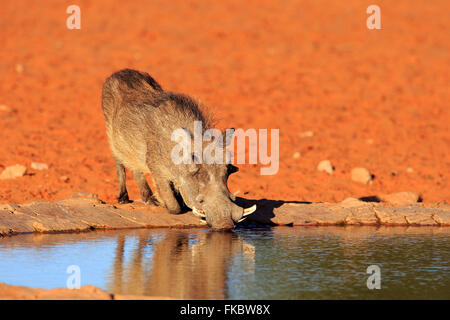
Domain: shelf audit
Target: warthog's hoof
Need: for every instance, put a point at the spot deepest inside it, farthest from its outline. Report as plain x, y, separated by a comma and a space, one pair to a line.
151, 201
123, 198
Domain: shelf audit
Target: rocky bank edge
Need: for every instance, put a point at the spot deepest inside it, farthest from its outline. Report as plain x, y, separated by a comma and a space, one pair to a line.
84, 212
10, 292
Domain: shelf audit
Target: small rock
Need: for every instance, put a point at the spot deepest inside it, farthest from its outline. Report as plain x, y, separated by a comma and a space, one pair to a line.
12, 172
87, 195
296, 155
64, 178
19, 68
307, 134
4, 107
400, 198
39, 166
369, 141
361, 175
325, 165
409, 170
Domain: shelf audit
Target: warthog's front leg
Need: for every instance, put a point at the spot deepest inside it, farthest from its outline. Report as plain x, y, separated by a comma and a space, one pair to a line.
166, 194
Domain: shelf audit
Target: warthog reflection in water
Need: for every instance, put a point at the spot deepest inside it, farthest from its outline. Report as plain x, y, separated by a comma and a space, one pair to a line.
184, 264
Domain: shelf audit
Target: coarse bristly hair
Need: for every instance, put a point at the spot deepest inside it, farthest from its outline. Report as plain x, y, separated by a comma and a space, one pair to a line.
140, 120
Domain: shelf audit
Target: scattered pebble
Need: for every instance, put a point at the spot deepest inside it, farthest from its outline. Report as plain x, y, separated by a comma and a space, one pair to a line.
361, 175
12, 172
400, 198
87, 195
64, 178
326, 166
296, 155
307, 134
409, 170
39, 166
369, 141
4, 107
19, 68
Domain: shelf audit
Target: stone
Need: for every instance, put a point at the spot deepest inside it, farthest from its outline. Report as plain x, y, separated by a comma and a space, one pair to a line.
12, 172
19, 68
4, 107
400, 198
296, 155
361, 175
325, 166
87, 195
89, 213
39, 166
307, 134
352, 202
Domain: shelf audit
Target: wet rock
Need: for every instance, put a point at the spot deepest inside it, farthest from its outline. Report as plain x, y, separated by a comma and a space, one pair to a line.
89, 213
400, 198
298, 214
39, 166
361, 175
325, 166
12, 172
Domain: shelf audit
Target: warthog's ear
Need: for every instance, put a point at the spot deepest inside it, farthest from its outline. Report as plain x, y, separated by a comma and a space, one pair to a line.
232, 169
229, 136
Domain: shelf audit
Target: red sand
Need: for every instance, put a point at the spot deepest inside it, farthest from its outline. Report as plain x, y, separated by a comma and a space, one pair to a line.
301, 66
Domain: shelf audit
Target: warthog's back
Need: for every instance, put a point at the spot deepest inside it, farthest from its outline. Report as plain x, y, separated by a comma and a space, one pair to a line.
140, 117
128, 100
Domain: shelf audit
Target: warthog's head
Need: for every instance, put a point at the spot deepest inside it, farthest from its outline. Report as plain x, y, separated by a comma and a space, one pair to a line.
203, 186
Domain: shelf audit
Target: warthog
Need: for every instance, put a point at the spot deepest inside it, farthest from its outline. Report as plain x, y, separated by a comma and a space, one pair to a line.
140, 120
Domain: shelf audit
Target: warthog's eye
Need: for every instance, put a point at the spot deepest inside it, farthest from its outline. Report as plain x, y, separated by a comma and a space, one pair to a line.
200, 198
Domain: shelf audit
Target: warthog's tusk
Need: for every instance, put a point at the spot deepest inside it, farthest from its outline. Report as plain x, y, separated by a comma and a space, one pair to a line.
242, 219
249, 210
198, 213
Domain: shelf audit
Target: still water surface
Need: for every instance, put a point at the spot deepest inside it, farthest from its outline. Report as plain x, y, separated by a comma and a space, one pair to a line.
277, 263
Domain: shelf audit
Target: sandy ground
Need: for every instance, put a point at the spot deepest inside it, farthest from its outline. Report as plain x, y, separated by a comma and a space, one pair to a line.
377, 99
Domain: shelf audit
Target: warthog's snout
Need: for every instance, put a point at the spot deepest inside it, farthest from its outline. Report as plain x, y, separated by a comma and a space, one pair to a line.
224, 219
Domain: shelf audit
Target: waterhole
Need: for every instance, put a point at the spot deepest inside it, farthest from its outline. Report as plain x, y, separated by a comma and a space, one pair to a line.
275, 263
